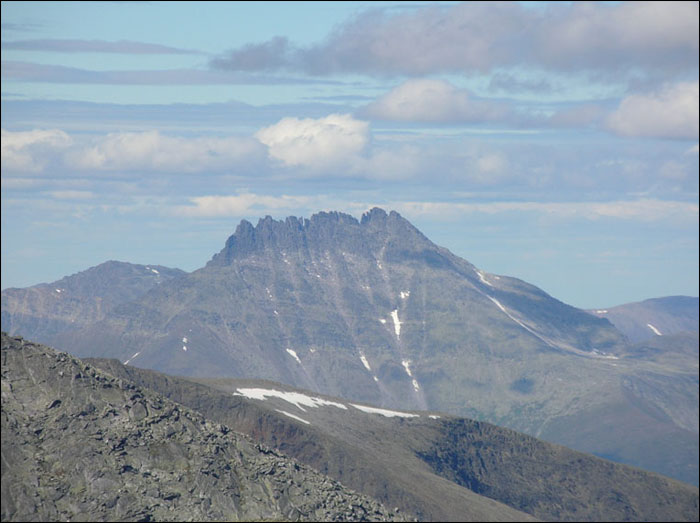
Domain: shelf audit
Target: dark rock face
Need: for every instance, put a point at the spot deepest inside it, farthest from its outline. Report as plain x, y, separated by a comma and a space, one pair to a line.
551, 482
78, 443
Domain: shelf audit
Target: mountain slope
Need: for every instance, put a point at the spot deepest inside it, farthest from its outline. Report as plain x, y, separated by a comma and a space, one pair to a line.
395, 455
646, 319
43, 310
372, 311
80, 443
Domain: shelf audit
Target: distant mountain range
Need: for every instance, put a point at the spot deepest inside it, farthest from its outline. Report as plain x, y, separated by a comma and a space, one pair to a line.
96, 439
654, 317
372, 311
72, 302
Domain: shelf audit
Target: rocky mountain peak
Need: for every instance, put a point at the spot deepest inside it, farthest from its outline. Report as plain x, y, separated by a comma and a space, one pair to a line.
323, 231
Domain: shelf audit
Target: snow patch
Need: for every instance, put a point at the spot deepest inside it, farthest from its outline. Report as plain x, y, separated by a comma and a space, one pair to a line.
397, 323
58, 291
382, 320
376, 379
292, 416
184, 339
407, 365
600, 354
276, 313
379, 264
384, 412
293, 354
499, 305
135, 354
184, 347
404, 294
601, 311
295, 398
654, 329
365, 362
154, 271
433, 416
483, 278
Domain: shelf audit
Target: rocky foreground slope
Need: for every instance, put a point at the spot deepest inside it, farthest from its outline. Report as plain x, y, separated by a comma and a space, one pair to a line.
79, 444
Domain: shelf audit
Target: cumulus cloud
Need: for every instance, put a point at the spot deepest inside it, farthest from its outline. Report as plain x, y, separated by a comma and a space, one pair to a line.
153, 151
315, 143
671, 112
425, 100
482, 36
30, 151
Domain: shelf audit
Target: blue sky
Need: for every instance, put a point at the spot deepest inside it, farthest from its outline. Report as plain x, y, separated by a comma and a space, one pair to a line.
554, 142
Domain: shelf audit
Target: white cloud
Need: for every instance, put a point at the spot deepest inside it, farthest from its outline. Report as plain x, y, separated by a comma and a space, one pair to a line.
315, 143
645, 210
669, 113
30, 151
492, 164
425, 100
242, 205
151, 150
252, 205
72, 195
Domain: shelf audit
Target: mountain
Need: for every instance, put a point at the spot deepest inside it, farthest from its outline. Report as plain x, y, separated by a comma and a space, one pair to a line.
373, 311
78, 443
77, 300
429, 464
646, 319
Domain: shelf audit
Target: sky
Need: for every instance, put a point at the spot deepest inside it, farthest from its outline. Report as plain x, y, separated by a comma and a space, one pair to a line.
552, 142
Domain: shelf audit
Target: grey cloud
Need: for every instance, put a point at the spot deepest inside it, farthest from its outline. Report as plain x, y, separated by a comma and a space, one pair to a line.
94, 46
28, 27
32, 72
273, 54
481, 36
510, 83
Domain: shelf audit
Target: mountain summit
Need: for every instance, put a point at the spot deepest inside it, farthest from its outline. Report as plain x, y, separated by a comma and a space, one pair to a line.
323, 230
371, 310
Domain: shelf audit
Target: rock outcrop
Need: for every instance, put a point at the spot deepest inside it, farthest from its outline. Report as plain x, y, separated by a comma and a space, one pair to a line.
79, 444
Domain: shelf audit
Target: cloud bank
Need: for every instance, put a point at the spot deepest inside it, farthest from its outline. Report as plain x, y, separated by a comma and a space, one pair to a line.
425, 100
481, 36
671, 112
